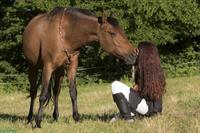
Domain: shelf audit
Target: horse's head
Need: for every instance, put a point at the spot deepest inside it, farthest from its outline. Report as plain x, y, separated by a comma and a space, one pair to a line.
114, 41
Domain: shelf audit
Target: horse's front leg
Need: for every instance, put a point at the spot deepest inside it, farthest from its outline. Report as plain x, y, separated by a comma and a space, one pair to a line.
71, 74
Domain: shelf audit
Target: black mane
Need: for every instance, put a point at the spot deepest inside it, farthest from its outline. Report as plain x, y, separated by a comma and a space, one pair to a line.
59, 10
113, 21
55, 12
83, 11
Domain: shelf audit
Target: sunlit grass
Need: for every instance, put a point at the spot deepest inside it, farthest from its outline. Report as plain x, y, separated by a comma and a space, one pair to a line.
181, 112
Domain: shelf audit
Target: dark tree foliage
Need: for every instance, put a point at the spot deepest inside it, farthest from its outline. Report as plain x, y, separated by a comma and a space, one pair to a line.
174, 26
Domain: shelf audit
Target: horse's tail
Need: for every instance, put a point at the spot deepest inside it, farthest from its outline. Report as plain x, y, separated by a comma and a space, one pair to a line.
51, 84
37, 84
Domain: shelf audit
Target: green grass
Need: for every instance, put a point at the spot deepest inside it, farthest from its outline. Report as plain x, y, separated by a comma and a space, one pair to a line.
181, 112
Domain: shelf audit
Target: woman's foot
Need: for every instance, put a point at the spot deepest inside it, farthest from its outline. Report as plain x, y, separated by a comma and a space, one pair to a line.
117, 117
123, 106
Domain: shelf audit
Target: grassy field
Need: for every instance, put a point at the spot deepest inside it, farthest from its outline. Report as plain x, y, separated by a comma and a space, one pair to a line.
181, 112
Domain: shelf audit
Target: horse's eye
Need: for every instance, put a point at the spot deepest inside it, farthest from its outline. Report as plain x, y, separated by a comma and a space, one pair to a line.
112, 33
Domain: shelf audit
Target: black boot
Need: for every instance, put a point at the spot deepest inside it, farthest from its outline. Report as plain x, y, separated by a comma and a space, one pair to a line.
122, 105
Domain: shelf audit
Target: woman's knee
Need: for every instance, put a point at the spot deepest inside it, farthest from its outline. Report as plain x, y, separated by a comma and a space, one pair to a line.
142, 107
115, 87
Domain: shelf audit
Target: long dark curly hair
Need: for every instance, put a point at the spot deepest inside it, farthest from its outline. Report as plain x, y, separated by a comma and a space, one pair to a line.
148, 73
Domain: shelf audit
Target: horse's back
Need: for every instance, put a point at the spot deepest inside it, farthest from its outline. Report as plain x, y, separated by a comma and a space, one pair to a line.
32, 36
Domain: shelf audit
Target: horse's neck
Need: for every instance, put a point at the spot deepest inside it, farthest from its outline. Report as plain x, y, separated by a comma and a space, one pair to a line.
83, 32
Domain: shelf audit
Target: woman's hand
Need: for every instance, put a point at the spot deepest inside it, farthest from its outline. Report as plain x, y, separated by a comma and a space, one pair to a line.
135, 87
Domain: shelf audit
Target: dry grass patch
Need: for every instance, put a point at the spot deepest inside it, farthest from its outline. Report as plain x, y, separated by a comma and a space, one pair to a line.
181, 112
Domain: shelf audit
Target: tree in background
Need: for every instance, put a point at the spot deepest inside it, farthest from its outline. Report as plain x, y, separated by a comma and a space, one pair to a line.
174, 26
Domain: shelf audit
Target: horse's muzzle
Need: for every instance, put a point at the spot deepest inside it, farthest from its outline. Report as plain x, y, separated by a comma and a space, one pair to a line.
130, 59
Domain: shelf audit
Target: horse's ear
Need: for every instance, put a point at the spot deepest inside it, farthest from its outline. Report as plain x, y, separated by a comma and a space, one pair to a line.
103, 19
100, 20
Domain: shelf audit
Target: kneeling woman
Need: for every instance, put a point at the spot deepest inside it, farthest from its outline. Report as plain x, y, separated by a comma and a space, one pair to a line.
145, 97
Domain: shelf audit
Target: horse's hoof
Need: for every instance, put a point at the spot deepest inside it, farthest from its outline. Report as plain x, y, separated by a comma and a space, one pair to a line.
28, 122
55, 119
38, 123
29, 118
55, 116
37, 126
76, 117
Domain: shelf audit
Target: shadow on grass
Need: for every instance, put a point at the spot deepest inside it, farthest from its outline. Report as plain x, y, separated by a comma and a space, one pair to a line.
14, 118
11, 117
96, 117
83, 117
108, 117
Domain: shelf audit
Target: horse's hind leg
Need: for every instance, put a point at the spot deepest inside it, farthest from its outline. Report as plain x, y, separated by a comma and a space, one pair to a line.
32, 76
46, 75
59, 75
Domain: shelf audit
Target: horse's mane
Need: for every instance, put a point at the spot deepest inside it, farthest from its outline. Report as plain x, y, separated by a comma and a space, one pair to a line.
149, 74
59, 10
55, 12
82, 11
113, 21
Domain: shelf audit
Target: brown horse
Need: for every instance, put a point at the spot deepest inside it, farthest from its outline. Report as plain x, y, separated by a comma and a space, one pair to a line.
52, 41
